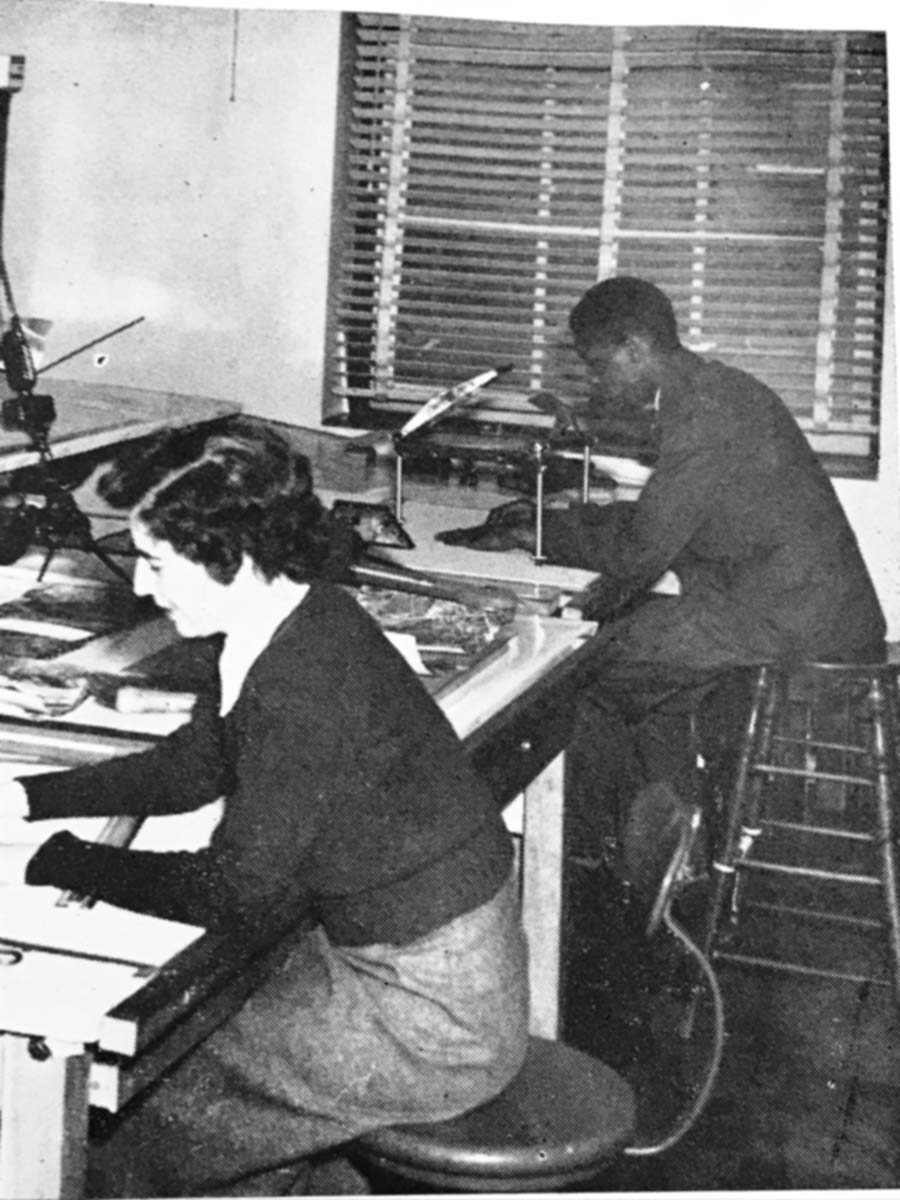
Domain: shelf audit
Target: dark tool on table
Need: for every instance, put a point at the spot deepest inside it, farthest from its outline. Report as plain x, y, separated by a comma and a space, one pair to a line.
375, 523
508, 526
366, 526
519, 524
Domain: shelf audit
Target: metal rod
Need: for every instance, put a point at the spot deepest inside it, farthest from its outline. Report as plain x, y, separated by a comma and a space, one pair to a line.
884, 735
586, 475
398, 487
814, 744
539, 504
749, 960
815, 914
805, 773
758, 864
851, 835
88, 345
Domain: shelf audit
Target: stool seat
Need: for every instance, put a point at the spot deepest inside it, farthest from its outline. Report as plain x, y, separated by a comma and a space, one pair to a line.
552, 1127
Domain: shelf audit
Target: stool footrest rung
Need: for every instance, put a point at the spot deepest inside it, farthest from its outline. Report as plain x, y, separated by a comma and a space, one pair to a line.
814, 914
809, 743
807, 773
752, 960
850, 835
758, 864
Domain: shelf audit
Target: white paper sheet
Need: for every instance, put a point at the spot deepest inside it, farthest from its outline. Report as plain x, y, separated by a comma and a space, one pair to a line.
32, 916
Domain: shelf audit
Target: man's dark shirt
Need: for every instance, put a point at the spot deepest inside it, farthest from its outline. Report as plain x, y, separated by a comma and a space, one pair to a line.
741, 509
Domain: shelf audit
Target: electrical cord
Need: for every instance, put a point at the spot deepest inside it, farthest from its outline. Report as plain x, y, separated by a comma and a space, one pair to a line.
702, 1097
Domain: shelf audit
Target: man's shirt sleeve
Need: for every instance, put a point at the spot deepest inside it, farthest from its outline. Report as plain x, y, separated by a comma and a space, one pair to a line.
632, 554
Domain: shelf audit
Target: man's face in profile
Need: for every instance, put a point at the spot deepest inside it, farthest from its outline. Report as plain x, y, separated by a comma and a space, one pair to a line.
621, 384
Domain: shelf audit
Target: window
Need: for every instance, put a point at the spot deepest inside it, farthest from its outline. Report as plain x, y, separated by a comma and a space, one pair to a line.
494, 170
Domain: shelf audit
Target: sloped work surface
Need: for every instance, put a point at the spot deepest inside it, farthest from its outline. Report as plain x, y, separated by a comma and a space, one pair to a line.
450, 637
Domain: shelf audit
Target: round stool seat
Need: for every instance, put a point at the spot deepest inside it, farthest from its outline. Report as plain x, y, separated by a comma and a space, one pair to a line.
554, 1125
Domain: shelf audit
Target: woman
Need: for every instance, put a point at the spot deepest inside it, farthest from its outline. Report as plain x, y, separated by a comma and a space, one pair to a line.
347, 796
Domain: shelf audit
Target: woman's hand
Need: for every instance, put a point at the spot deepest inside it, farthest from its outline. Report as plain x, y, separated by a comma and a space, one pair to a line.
13, 801
13, 861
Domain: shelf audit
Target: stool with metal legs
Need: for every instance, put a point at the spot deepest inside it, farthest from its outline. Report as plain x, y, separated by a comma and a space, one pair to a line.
812, 813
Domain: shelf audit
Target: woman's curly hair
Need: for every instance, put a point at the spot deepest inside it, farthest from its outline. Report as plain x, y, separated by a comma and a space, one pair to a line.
247, 491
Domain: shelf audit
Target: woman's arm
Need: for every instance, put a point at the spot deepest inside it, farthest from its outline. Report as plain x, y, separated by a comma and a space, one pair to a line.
302, 745
194, 887
182, 772
258, 854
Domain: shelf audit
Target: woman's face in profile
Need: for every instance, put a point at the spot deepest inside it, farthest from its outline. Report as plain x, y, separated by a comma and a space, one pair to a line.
197, 604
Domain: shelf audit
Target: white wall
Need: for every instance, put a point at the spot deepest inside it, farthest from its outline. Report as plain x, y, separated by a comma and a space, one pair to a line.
137, 185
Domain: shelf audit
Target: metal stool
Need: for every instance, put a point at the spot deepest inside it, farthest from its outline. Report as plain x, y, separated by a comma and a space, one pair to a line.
808, 829
561, 1120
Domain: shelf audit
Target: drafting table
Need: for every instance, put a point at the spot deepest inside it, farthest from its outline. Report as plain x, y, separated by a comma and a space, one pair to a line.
91, 417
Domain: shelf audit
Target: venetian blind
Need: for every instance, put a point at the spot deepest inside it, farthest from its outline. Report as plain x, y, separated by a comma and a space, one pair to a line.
495, 170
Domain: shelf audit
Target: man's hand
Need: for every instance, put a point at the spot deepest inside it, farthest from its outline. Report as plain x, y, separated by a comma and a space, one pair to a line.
567, 419
508, 527
14, 859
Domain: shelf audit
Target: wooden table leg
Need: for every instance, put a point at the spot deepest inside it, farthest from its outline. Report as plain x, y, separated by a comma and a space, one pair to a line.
542, 883
43, 1119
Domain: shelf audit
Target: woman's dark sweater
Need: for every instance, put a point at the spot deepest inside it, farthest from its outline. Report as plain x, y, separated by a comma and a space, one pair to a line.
347, 793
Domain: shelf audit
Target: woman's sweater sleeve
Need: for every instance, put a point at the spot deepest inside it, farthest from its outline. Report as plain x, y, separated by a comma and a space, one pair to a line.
182, 772
256, 856
195, 887
176, 885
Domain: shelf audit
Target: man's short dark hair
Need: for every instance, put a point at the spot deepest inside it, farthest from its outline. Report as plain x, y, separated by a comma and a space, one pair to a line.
616, 308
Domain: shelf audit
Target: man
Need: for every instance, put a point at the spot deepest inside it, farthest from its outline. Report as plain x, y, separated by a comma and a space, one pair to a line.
739, 507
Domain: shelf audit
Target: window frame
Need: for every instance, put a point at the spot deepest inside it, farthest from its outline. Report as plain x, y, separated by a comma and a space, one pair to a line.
504, 410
